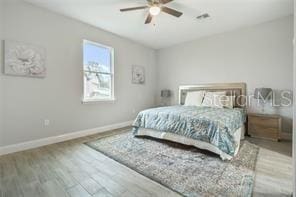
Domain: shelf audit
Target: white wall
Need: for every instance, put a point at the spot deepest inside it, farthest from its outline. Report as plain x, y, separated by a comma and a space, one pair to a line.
28, 101
261, 56
1, 61
294, 110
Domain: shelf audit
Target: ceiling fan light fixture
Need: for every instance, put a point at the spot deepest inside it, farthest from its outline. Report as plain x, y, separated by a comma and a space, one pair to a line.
154, 10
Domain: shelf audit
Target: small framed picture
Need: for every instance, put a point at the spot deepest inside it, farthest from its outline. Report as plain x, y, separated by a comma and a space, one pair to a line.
138, 74
22, 59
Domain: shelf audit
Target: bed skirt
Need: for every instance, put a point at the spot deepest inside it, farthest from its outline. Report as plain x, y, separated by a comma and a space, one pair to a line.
238, 135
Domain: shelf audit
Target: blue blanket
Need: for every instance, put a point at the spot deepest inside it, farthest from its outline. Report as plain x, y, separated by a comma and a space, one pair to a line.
212, 125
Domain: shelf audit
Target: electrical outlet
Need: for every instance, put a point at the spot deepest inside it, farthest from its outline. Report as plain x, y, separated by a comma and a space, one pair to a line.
46, 122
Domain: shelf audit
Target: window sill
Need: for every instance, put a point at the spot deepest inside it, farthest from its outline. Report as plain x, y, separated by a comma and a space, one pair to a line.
94, 101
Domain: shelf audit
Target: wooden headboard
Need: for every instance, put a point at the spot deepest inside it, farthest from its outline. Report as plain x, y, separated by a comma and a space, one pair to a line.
232, 89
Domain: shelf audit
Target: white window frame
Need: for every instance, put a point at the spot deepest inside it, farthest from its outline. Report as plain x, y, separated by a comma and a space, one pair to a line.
86, 100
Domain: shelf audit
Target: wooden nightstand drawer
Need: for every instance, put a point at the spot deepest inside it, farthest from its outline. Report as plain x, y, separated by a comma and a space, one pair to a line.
264, 126
262, 132
264, 121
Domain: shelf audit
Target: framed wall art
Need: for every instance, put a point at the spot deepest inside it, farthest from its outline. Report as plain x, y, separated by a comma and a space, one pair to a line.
22, 59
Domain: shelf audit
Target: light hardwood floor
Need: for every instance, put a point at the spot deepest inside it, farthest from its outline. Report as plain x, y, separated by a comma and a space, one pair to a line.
73, 169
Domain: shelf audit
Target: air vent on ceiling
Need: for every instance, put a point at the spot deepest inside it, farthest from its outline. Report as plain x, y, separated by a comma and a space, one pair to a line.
203, 16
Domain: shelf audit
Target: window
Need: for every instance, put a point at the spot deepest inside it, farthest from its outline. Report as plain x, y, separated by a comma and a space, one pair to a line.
98, 70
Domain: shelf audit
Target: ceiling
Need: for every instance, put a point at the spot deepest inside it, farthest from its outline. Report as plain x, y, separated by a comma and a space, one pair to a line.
167, 30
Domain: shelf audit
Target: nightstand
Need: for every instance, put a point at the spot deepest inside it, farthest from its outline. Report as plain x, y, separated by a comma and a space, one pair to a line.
265, 126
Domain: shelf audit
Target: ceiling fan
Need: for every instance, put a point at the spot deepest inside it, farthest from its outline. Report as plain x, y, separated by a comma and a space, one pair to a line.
155, 7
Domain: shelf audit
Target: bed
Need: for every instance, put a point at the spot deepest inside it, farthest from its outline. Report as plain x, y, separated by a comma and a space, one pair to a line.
218, 130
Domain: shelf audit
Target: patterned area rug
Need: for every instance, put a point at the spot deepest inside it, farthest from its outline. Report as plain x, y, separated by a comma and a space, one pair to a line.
184, 169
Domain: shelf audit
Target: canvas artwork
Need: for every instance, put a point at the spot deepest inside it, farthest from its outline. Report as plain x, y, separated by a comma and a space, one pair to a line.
23, 59
138, 75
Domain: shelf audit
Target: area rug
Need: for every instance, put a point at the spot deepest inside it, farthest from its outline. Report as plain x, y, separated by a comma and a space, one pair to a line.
187, 170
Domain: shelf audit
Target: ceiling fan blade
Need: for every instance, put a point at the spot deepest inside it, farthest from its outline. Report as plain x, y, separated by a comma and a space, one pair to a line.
165, 1
134, 8
149, 19
171, 11
152, 2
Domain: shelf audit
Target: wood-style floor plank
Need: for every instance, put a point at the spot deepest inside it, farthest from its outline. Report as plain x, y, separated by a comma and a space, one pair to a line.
91, 186
102, 193
53, 189
73, 169
78, 191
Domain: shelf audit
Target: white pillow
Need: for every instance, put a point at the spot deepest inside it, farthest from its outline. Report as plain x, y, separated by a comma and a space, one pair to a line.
213, 99
194, 98
229, 102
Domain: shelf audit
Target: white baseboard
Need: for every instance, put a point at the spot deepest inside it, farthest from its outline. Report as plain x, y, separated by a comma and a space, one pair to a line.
61, 138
